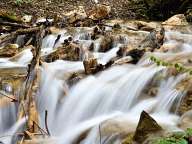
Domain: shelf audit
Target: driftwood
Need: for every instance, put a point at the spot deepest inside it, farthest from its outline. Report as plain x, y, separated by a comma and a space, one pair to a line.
13, 35
27, 101
17, 25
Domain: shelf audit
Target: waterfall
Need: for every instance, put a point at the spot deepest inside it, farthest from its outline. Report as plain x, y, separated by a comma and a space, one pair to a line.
112, 98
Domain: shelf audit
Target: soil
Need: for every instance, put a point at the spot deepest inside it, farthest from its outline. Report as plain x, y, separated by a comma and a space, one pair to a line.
51, 8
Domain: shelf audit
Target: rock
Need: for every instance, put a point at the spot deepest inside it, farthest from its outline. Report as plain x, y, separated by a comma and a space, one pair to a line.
128, 139
75, 15
185, 121
9, 50
124, 60
186, 103
75, 77
106, 43
154, 40
69, 51
99, 12
45, 21
136, 54
176, 20
141, 25
26, 18
189, 15
147, 125
90, 66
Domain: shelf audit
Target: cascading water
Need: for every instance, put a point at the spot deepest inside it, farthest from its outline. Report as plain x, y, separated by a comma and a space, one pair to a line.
113, 97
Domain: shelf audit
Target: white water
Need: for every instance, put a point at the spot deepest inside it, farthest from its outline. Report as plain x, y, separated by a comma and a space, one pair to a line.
116, 94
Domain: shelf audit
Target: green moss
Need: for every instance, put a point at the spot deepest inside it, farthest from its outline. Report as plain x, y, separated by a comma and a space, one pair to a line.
175, 138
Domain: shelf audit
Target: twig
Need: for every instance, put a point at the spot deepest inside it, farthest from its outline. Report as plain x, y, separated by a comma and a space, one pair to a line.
6, 95
25, 115
14, 24
8, 37
100, 133
42, 130
22, 140
46, 124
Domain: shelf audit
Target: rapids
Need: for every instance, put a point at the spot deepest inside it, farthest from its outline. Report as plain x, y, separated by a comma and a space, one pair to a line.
110, 101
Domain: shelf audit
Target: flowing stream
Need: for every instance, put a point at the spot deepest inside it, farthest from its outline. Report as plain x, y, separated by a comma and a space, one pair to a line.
114, 97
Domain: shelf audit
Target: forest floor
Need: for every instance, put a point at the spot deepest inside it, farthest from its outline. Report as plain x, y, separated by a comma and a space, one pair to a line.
51, 8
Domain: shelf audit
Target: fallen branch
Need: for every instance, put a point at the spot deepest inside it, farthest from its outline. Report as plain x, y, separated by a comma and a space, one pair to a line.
14, 24
46, 123
12, 98
100, 139
13, 35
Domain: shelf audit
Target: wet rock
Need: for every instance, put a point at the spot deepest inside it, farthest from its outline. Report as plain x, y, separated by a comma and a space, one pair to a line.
147, 125
44, 21
185, 121
136, 54
176, 20
9, 50
75, 77
99, 12
154, 40
186, 103
11, 79
69, 51
124, 60
189, 15
105, 43
90, 66
124, 50
116, 26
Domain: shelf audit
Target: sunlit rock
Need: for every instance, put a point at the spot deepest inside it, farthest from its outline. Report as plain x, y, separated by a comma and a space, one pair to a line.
69, 51
175, 20
9, 50
26, 18
124, 60
75, 15
99, 12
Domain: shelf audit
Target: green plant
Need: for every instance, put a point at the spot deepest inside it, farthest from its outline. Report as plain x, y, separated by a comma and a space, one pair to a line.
189, 132
179, 67
20, 2
175, 138
171, 140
